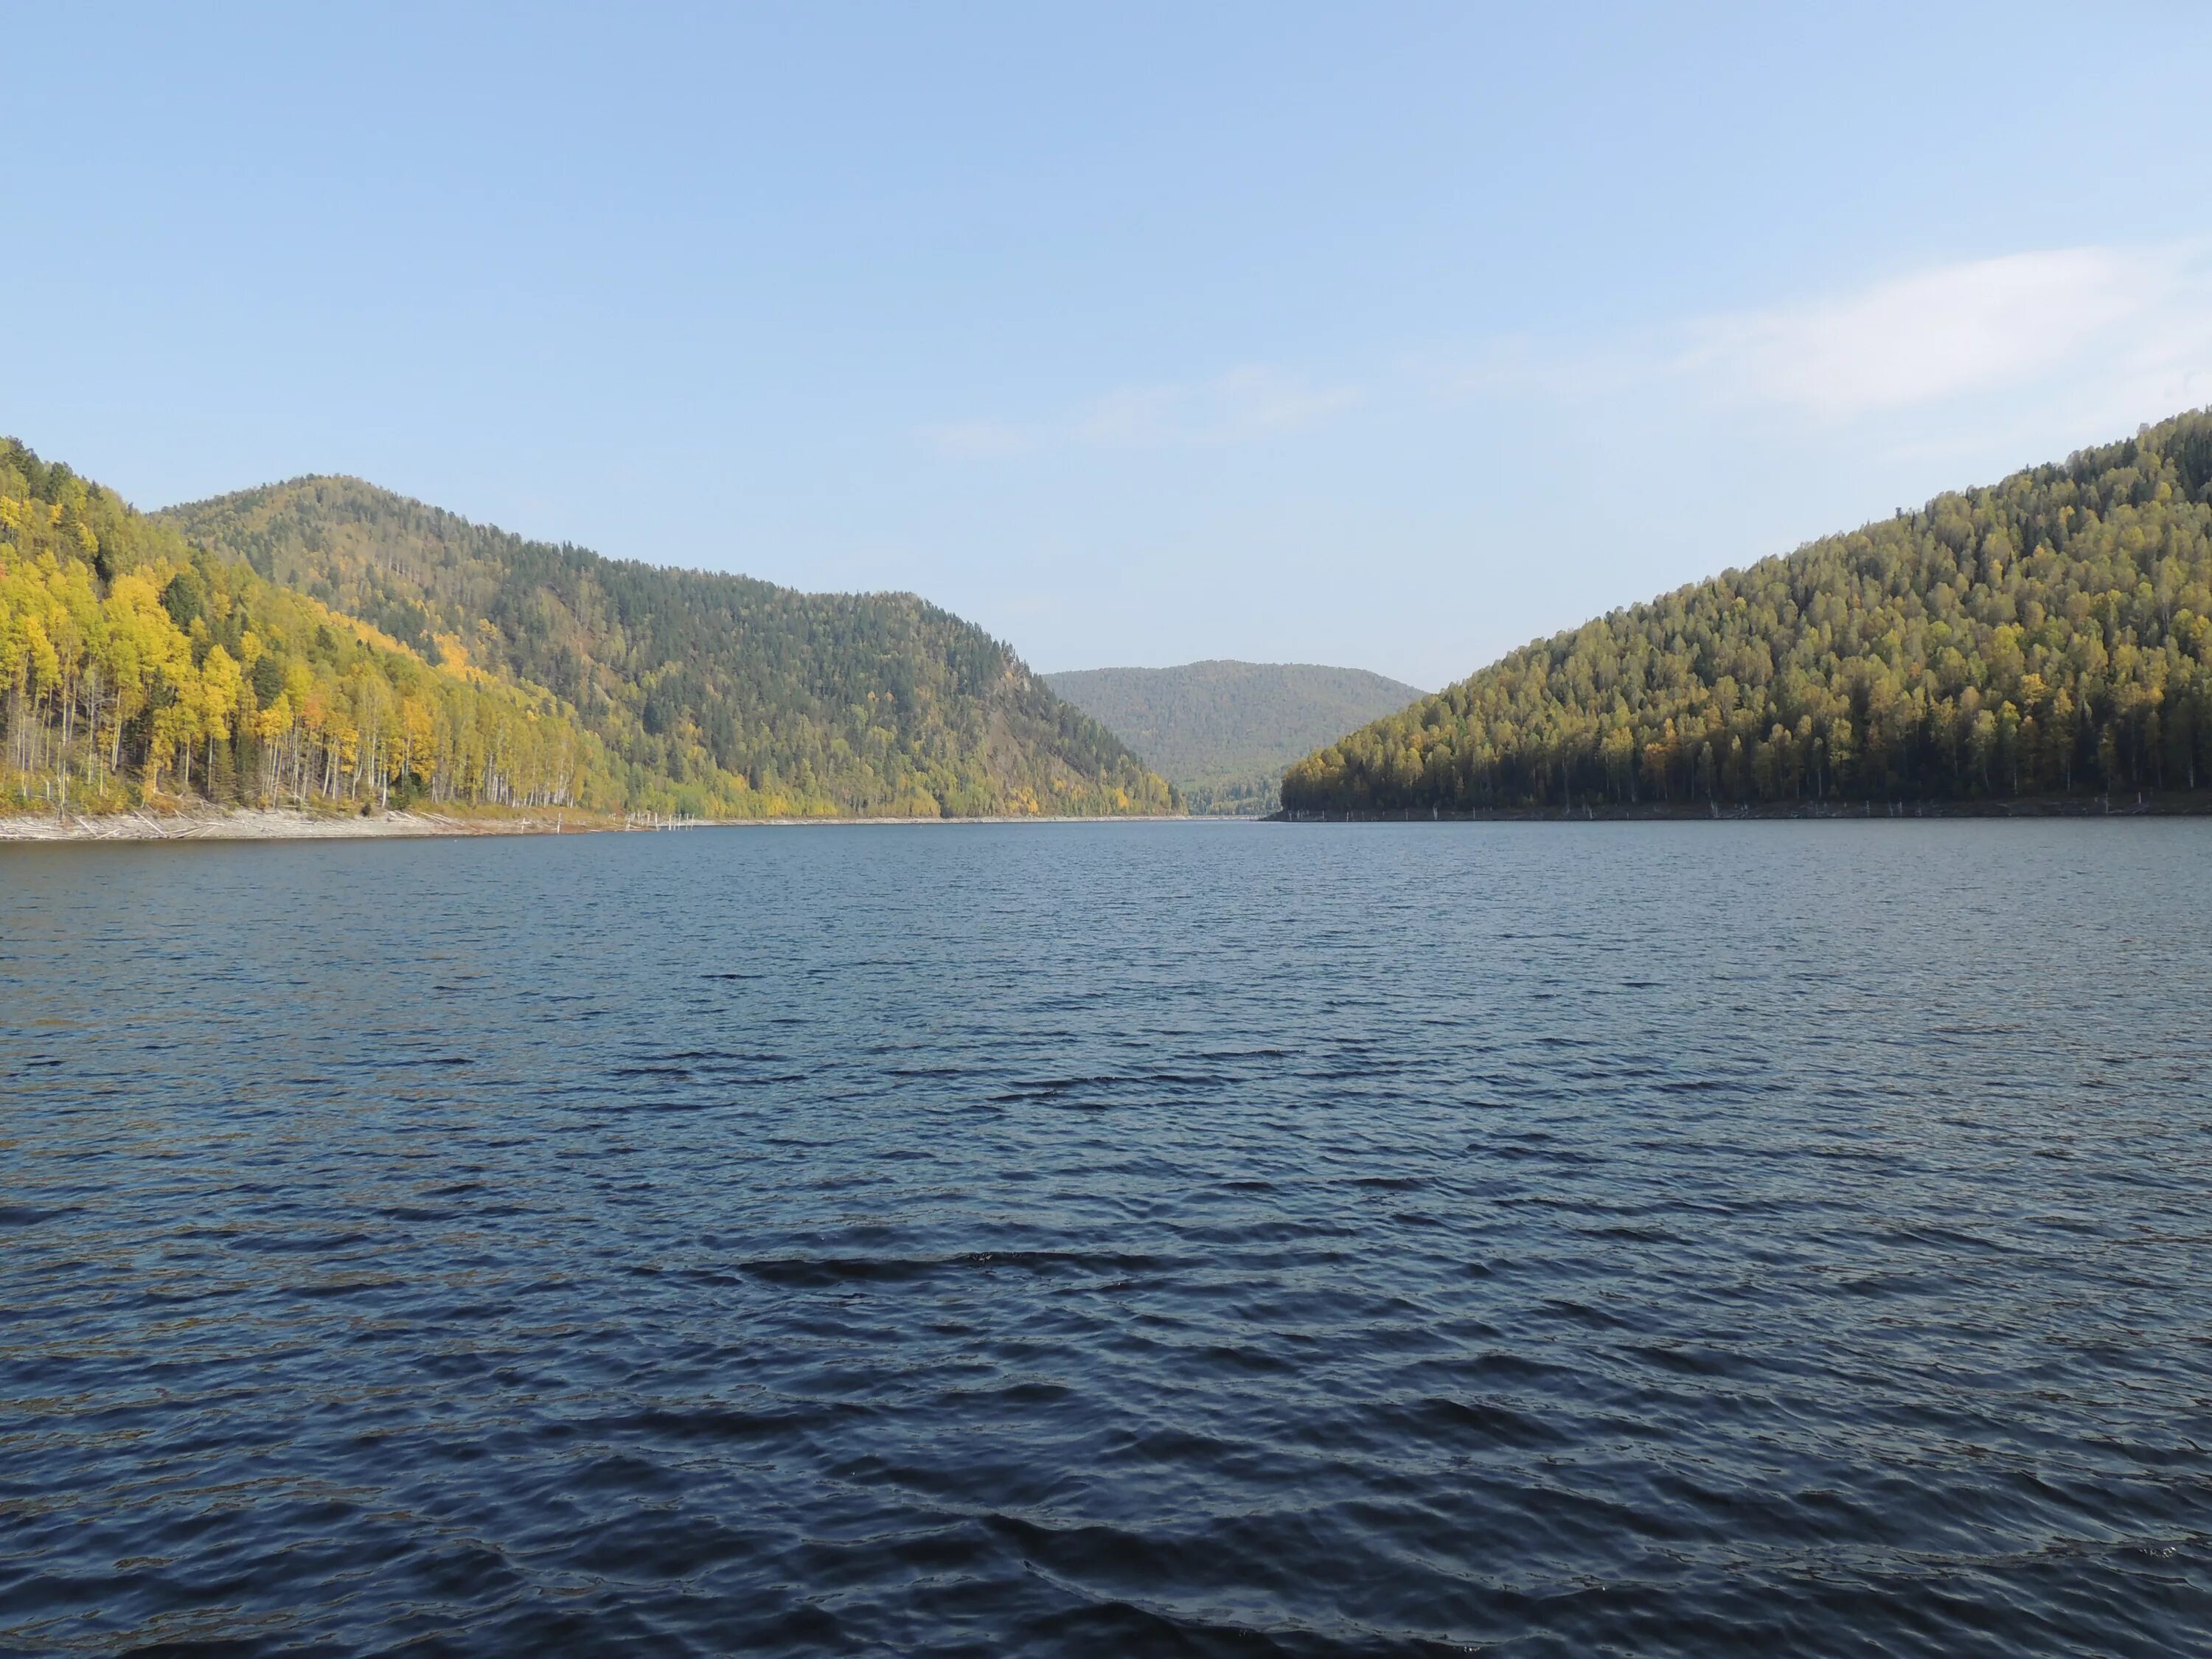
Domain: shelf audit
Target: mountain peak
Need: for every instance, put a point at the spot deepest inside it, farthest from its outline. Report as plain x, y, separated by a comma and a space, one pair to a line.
1222, 730
748, 697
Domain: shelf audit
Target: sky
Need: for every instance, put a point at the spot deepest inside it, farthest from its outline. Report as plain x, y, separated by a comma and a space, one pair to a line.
1387, 336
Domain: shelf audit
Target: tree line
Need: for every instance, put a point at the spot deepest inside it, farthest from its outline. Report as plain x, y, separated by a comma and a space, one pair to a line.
2049, 635
715, 694
1222, 730
133, 667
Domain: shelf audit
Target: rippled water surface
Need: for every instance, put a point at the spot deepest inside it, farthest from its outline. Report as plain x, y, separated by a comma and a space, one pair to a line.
1667, 1239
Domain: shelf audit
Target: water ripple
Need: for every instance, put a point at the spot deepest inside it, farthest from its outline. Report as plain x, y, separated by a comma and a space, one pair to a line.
1659, 1239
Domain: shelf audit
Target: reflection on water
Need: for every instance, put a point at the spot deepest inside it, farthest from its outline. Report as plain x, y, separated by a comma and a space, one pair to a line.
1097, 1239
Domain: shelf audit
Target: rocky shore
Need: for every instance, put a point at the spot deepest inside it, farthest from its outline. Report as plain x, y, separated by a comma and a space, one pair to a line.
280, 824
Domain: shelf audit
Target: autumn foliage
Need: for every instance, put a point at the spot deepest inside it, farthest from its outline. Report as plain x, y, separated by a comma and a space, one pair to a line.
132, 667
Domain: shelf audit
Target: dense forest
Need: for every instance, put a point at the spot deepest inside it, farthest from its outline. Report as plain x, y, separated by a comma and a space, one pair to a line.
716, 695
133, 667
2051, 635
1223, 731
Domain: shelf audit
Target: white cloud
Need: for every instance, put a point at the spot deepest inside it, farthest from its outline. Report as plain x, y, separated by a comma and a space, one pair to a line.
1256, 401
2082, 340
2061, 346
1960, 330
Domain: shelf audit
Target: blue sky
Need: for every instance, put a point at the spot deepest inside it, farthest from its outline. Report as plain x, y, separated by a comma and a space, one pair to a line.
1390, 336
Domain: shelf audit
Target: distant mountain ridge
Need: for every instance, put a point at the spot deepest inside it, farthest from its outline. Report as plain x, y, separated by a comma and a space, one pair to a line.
716, 695
2047, 636
1222, 730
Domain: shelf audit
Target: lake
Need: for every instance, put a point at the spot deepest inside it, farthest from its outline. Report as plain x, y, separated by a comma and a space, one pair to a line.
1113, 1238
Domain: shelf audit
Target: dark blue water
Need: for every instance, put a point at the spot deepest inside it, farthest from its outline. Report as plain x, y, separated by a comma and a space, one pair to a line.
1661, 1239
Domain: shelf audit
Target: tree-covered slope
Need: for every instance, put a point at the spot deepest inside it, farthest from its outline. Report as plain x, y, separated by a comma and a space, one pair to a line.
2049, 636
747, 698
1223, 731
134, 666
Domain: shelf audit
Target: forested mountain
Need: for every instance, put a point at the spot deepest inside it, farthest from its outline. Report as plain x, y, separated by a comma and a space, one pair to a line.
715, 694
1223, 731
134, 666
2049, 636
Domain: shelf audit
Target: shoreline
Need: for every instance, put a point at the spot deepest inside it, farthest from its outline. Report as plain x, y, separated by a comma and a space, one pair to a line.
1024, 817
261, 823
2146, 804
284, 824
268, 823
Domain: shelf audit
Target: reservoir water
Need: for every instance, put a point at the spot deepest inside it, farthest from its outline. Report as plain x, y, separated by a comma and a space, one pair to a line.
1670, 1239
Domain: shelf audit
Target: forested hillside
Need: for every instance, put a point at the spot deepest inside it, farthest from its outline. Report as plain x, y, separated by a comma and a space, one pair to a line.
134, 667
735, 696
2049, 636
1223, 731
